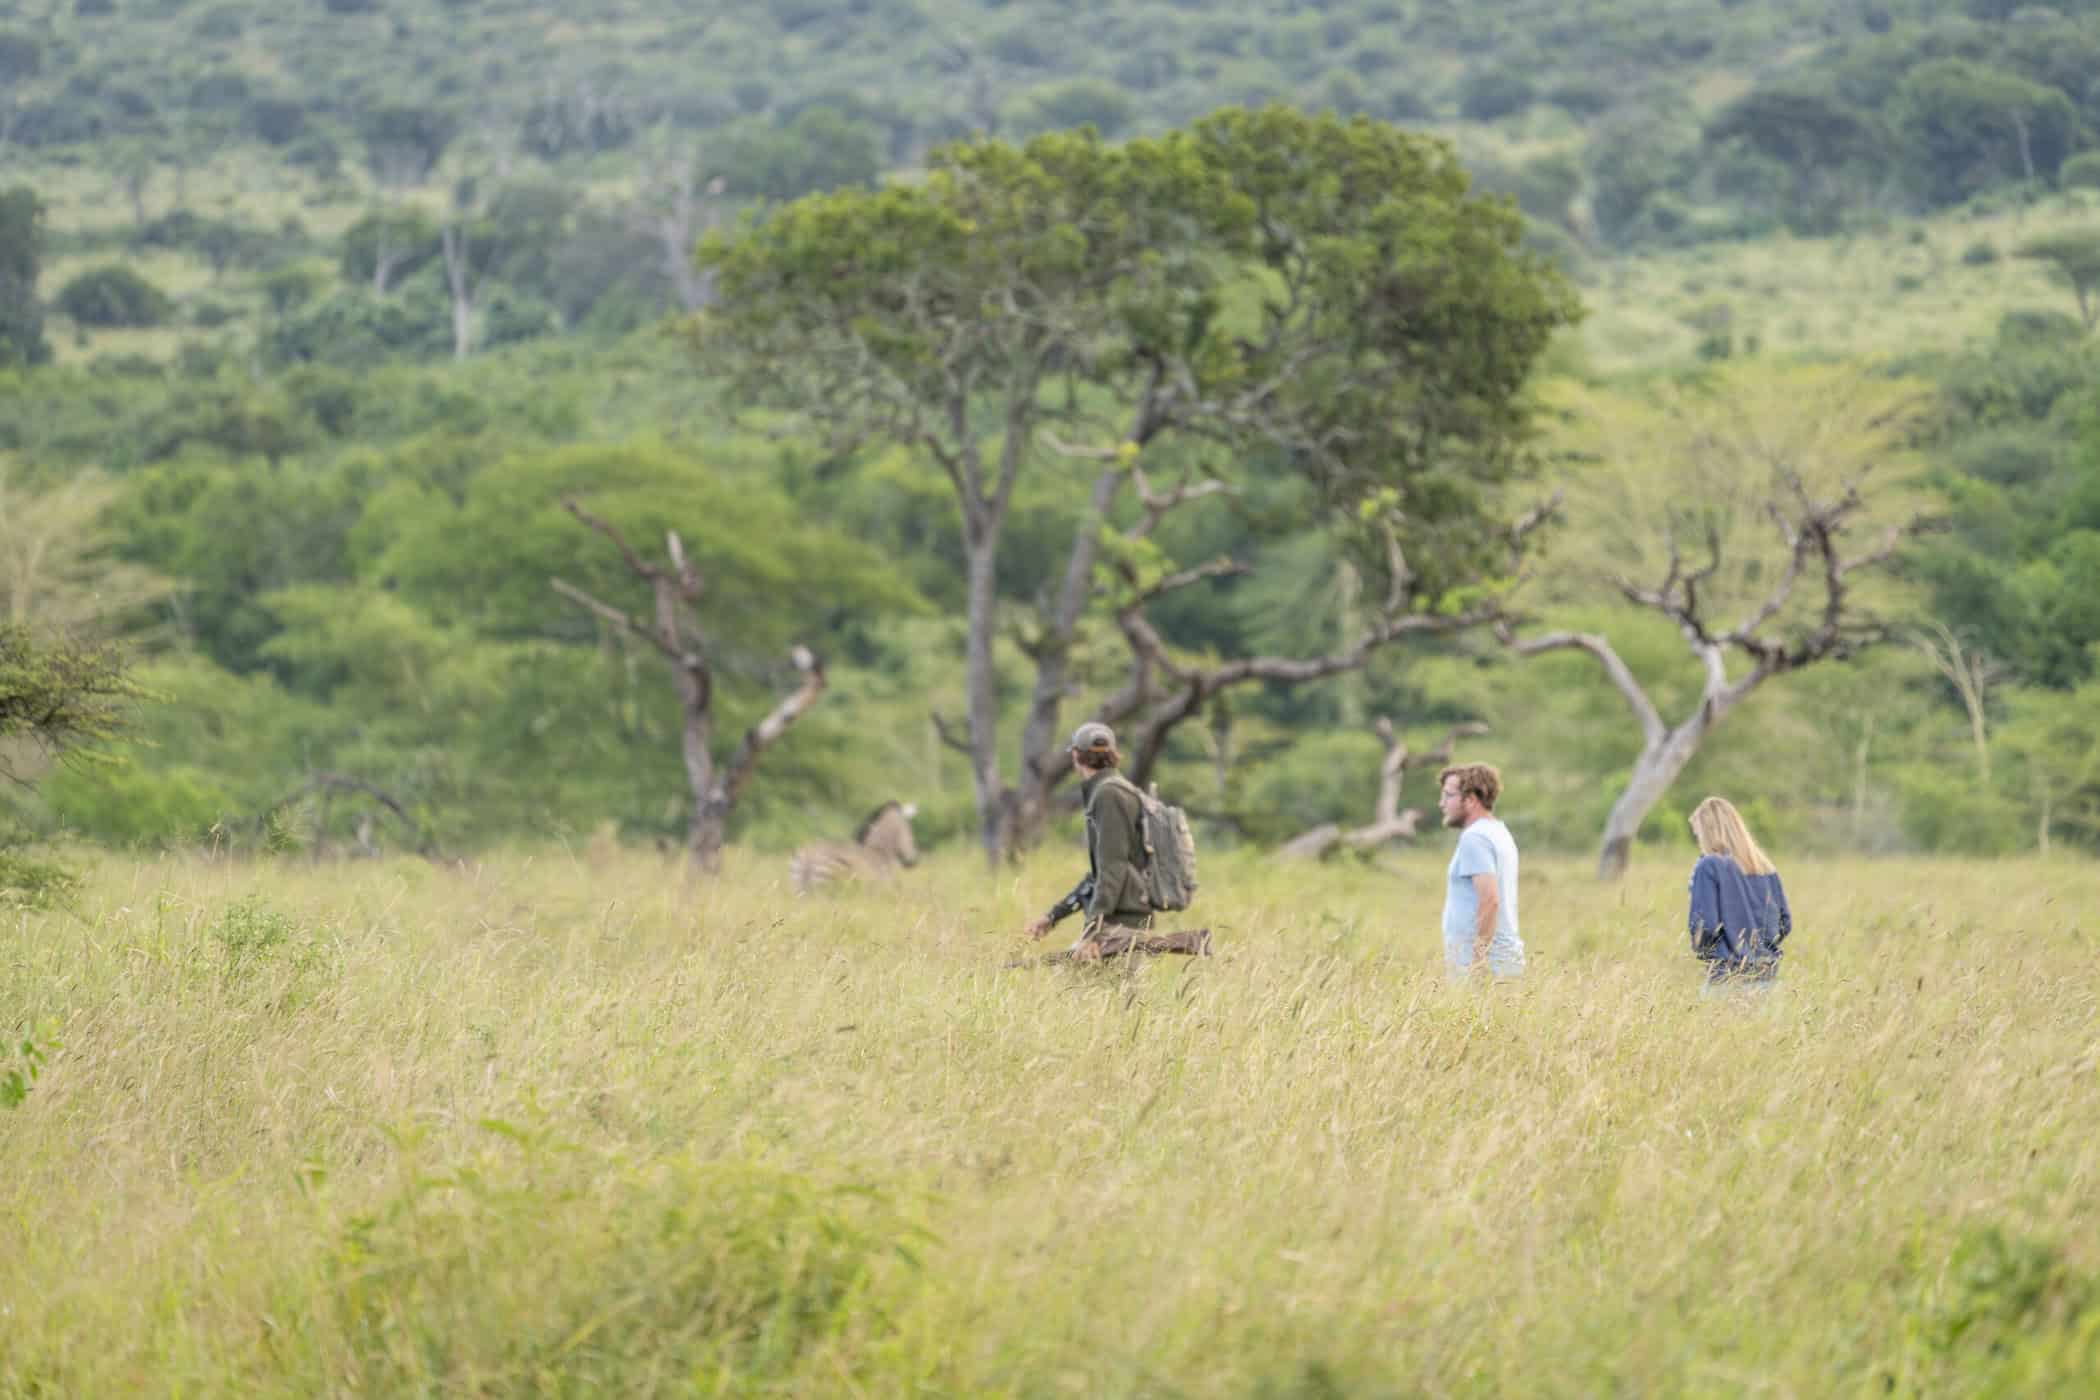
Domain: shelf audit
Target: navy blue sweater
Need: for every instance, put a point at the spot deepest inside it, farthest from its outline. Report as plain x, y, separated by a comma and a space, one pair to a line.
1737, 920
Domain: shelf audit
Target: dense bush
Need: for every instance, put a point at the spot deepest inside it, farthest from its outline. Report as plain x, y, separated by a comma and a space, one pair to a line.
1489, 94
2081, 172
114, 295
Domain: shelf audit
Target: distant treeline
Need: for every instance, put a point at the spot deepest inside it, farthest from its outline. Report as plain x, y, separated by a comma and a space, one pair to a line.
1665, 119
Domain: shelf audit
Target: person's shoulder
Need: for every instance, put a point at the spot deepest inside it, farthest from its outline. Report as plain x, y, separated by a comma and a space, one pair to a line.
1119, 790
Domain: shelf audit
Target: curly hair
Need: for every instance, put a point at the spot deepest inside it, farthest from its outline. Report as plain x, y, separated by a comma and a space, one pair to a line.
1475, 779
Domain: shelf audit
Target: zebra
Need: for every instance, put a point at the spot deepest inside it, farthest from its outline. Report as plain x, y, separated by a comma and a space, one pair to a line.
883, 843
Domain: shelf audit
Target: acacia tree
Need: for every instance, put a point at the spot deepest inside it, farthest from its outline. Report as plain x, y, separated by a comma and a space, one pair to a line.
1745, 513
56, 693
2075, 259
672, 631
1322, 294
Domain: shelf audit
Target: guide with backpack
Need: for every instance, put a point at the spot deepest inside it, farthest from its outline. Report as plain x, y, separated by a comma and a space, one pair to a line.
1141, 860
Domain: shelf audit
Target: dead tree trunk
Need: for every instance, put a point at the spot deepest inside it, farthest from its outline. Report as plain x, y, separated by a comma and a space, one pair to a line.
460, 279
1388, 822
714, 788
1810, 530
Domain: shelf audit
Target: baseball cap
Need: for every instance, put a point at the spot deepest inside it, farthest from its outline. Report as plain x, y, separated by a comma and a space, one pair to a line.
1093, 735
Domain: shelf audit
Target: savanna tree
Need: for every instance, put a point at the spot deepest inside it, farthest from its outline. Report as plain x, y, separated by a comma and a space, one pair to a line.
1749, 513
1323, 295
56, 693
2074, 257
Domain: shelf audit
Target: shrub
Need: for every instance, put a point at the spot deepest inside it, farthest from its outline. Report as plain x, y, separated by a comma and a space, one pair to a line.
276, 120
2081, 172
1489, 94
1082, 102
596, 1278
1981, 253
114, 295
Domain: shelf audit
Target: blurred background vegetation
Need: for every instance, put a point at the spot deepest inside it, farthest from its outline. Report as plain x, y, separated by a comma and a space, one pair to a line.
310, 312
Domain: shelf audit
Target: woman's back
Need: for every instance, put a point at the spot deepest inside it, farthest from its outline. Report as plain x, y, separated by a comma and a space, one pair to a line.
1737, 920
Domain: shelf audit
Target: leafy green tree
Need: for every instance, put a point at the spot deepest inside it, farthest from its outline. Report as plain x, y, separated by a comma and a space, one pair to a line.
1265, 285
819, 150
2054, 736
1828, 147
114, 295
2075, 258
404, 142
1969, 126
21, 257
57, 695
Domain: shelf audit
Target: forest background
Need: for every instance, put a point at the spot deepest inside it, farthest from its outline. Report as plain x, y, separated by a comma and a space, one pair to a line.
312, 315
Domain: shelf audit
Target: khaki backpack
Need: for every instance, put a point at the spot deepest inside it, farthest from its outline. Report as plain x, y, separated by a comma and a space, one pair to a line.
1170, 850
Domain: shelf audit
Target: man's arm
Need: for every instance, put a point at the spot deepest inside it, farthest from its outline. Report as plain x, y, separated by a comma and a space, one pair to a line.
1489, 896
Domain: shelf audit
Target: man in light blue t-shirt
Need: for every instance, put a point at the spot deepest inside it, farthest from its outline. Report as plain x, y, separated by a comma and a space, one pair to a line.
1480, 896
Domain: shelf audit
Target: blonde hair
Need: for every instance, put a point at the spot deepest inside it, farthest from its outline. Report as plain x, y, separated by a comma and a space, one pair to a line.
1719, 830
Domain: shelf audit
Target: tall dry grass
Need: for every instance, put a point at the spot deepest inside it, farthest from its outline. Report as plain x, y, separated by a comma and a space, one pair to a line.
552, 1124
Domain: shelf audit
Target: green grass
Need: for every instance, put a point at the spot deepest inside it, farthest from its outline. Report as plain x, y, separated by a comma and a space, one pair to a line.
548, 1125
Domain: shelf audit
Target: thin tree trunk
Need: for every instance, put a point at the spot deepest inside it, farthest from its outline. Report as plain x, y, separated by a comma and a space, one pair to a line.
457, 276
1041, 768
980, 683
1653, 773
709, 821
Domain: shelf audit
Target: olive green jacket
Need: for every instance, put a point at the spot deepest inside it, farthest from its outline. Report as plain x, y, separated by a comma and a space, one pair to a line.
1114, 890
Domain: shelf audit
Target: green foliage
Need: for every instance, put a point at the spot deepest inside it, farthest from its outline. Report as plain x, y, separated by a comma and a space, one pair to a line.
29, 883
388, 245
59, 694
250, 933
21, 256
114, 295
2080, 172
27, 1062
729, 1275
1489, 94
2075, 258
1094, 102
1968, 127
404, 142
819, 150
2002, 1314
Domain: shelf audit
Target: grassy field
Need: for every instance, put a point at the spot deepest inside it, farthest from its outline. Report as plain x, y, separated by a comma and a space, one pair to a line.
1922, 285
546, 1125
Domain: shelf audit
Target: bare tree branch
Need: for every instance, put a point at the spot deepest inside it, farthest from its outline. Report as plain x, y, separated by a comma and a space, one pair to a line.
737, 773
947, 734
612, 532
1615, 669
1388, 822
612, 615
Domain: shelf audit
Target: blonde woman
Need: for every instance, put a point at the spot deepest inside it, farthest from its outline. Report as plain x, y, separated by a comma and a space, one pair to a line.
1739, 915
